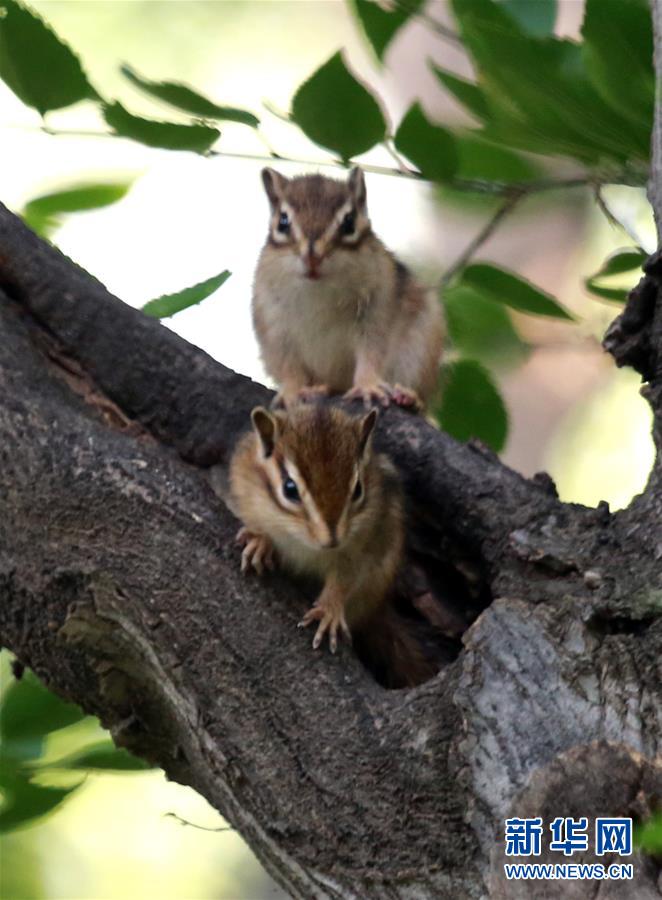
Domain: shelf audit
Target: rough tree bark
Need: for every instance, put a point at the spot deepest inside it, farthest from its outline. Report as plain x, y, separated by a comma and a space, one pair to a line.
119, 586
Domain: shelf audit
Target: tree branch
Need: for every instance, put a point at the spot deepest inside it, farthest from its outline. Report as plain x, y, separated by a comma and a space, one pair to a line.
470, 185
483, 235
120, 586
612, 218
635, 337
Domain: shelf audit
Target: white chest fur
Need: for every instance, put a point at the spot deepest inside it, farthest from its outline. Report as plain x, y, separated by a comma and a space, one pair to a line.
320, 319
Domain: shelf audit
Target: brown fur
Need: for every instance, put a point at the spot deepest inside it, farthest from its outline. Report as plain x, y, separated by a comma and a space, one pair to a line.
388, 645
339, 310
326, 448
314, 199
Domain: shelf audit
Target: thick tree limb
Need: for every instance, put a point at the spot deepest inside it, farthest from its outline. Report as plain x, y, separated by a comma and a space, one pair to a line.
119, 585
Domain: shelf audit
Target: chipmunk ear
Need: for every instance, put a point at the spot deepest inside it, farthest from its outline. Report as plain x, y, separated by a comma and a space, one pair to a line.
356, 182
265, 425
367, 426
274, 184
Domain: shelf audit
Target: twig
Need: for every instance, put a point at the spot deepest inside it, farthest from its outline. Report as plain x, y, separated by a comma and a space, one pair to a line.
483, 235
403, 168
277, 113
473, 185
441, 29
434, 24
611, 217
172, 815
504, 188
265, 142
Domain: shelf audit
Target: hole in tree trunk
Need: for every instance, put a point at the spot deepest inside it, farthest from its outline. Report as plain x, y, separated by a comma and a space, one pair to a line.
436, 598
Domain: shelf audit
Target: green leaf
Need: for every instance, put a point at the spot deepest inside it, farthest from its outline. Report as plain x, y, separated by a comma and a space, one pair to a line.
188, 100
43, 213
381, 25
630, 259
616, 295
509, 288
169, 304
648, 835
626, 260
337, 112
35, 64
466, 92
486, 161
103, 755
429, 147
471, 405
481, 328
535, 16
167, 135
618, 52
539, 93
24, 802
29, 711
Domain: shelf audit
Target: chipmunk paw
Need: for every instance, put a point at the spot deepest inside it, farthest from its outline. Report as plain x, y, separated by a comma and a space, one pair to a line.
331, 619
405, 397
379, 393
258, 552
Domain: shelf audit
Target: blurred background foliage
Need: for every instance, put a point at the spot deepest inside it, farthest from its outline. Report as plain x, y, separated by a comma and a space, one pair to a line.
506, 146
83, 819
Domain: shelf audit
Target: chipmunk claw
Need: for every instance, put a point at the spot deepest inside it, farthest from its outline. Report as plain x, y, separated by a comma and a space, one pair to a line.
258, 552
371, 394
405, 397
330, 620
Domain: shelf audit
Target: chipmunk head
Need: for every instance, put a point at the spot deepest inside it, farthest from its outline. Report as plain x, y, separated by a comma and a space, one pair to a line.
312, 215
315, 463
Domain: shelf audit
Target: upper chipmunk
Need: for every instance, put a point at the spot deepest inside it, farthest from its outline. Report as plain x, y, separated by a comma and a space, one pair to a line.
333, 309
310, 490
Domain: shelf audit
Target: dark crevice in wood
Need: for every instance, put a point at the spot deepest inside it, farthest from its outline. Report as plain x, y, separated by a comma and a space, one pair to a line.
603, 624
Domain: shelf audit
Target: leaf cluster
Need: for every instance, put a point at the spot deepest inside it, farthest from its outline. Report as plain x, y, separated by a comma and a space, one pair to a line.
29, 715
535, 98
46, 74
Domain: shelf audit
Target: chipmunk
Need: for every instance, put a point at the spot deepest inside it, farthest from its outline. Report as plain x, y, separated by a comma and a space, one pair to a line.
310, 490
334, 310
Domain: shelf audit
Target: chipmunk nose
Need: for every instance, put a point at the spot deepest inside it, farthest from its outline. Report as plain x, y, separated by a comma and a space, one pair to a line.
331, 540
312, 261
312, 267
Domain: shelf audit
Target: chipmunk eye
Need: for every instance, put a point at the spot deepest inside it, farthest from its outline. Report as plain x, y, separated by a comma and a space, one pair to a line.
348, 224
358, 492
284, 223
291, 491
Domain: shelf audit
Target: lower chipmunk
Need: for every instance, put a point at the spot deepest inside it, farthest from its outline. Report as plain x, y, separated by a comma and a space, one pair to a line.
313, 494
